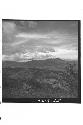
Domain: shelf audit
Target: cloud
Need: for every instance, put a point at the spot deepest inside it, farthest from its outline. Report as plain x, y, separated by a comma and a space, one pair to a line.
31, 36
41, 54
67, 54
51, 39
9, 30
28, 39
9, 27
19, 42
32, 24
27, 24
8, 57
22, 35
74, 24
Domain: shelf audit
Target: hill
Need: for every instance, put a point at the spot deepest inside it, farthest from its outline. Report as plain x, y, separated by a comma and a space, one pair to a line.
39, 79
51, 64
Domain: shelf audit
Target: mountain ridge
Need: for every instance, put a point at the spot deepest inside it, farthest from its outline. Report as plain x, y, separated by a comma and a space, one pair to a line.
53, 64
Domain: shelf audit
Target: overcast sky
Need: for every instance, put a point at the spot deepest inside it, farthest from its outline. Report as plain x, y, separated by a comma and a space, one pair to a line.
25, 40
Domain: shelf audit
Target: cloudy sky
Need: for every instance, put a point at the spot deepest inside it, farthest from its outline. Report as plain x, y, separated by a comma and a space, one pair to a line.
26, 40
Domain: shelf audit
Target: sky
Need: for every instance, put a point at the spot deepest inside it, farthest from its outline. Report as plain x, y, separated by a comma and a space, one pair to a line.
39, 40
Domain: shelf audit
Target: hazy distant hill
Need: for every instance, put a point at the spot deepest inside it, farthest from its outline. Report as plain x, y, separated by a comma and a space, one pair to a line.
51, 64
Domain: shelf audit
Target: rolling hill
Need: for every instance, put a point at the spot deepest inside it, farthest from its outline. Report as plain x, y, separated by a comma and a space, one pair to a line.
39, 79
51, 64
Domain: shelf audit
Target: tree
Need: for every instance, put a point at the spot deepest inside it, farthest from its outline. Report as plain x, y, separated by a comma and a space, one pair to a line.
72, 78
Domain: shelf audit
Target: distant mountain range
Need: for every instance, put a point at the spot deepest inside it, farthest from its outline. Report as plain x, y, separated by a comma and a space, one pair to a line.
51, 64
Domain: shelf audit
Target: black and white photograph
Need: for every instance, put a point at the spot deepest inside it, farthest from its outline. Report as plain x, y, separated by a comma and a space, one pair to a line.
41, 61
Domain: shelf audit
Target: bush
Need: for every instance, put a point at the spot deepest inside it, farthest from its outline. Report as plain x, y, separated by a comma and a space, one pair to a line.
72, 78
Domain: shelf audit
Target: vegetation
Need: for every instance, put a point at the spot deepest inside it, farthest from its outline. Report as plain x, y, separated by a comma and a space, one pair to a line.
36, 82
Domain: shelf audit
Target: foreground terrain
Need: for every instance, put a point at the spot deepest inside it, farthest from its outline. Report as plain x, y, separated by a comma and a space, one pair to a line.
40, 79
